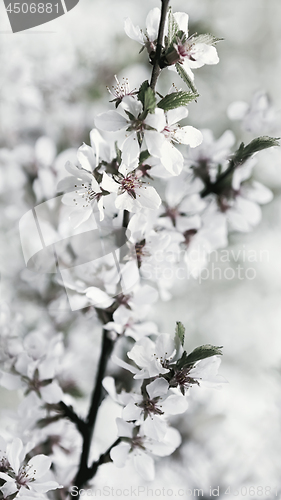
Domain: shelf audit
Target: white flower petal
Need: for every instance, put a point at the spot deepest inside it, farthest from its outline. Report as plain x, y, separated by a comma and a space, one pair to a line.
126, 202
10, 381
256, 192
108, 184
159, 387
119, 454
148, 197
152, 23
52, 393
130, 154
98, 297
39, 464
80, 215
171, 158
131, 412
174, 405
133, 32
86, 158
125, 429
175, 115
124, 365
156, 120
154, 142
182, 21
110, 121
15, 453
188, 135
168, 445
144, 465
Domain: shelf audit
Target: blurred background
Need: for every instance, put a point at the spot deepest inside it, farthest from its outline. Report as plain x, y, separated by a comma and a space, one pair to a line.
53, 82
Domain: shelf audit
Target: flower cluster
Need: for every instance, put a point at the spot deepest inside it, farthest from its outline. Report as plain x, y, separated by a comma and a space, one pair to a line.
163, 373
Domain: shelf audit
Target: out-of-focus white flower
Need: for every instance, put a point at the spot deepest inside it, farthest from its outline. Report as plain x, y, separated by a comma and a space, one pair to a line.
35, 369
183, 203
205, 159
258, 117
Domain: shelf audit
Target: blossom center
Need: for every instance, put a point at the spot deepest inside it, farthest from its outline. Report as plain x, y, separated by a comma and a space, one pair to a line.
25, 475
4, 464
130, 184
85, 194
150, 407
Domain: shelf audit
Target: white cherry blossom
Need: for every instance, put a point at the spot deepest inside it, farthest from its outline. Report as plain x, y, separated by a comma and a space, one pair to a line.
141, 449
133, 194
149, 37
82, 189
19, 474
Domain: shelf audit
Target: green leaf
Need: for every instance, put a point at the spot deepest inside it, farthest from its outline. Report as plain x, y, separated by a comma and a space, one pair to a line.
176, 99
173, 27
202, 352
118, 153
182, 73
142, 90
147, 98
206, 38
144, 156
180, 332
149, 101
245, 152
240, 156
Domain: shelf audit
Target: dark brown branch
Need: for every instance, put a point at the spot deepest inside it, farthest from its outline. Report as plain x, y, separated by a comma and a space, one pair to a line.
83, 474
156, 62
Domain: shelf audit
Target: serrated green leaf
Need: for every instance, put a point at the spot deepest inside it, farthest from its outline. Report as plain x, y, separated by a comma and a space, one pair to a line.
149, 101
173, 27
258, 144
241, 155
182, 73
206, 38
202, 352
177, 99
180, 332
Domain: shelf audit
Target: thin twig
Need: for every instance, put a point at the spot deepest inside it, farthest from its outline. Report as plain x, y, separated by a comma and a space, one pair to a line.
104, 458
73, 417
